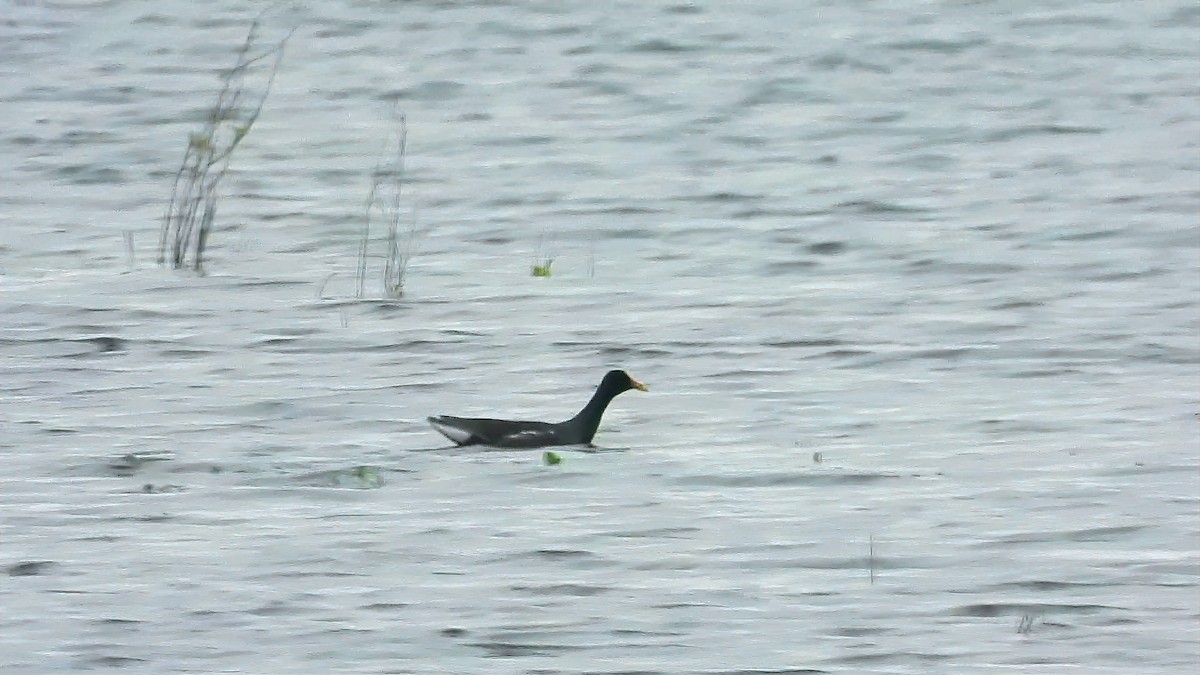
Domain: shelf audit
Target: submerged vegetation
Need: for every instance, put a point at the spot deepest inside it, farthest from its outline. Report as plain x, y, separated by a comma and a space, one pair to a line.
384, 204
1028, 619
193, 206
357, 478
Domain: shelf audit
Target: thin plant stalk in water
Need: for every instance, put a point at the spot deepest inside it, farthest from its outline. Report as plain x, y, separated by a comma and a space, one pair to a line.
387, 187
193, 207
871, 557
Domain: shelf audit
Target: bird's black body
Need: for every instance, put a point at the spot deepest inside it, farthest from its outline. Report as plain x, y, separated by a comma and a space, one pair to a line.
578, 430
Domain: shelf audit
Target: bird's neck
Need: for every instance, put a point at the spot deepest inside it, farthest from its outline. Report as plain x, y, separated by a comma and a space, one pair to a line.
588, 419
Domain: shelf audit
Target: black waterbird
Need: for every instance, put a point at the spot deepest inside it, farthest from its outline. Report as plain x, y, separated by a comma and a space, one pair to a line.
578, 430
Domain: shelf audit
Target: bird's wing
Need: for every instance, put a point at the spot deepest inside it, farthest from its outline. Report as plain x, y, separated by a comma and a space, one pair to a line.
483, 431
531, 437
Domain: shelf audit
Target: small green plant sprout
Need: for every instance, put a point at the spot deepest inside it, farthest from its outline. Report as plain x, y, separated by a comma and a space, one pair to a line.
542, 269
192, 210
551, 458
542, 261
384, 203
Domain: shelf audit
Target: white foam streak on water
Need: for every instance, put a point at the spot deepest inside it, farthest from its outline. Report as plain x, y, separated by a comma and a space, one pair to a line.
913, 286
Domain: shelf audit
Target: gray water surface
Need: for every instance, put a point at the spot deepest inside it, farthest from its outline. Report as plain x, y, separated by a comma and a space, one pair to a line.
914, 286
